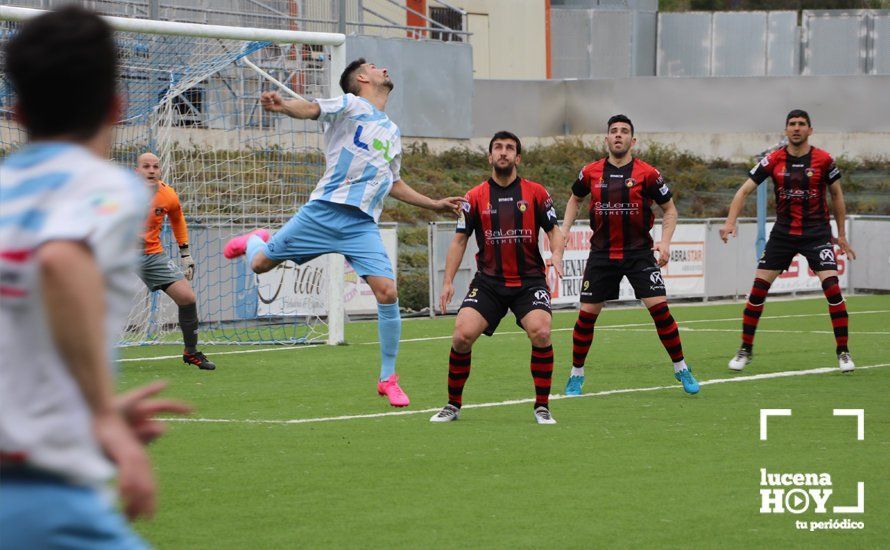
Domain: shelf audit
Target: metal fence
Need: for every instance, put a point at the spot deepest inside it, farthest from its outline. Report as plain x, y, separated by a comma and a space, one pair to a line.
602, 43
609, 43
827, 42
846, 42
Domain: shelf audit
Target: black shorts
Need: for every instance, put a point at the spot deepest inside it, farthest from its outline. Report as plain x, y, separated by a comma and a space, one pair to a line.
781, 249
602, 279
492, 300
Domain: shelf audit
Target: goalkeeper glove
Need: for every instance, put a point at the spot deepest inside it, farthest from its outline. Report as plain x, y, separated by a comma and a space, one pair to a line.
187, 262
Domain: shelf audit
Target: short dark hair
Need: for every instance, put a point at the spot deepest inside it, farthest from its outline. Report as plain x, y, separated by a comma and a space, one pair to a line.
798, 113
347, 81
68, 51
504, 134
620, 118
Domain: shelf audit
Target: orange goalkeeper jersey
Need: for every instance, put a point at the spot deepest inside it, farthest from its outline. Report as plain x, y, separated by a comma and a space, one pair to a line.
164, 203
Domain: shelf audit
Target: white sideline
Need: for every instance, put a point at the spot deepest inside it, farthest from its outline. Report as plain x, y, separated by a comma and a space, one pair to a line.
765, 376
514, 332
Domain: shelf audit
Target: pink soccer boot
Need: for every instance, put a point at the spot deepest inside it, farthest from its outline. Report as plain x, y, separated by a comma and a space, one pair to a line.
390, 388
237, 246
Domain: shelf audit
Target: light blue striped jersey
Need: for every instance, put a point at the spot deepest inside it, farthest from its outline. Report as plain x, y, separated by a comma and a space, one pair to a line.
363, 154
50, 192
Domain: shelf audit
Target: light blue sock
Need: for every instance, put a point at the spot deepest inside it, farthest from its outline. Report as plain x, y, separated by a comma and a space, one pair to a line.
389, 330
254, 245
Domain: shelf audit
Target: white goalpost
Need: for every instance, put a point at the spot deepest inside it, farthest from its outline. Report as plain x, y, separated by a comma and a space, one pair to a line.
192, 95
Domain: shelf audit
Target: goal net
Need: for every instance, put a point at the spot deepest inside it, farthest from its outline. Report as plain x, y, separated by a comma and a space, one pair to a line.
192, 98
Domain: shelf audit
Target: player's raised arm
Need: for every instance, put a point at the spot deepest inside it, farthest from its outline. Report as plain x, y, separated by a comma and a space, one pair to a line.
735, 208
456, 251
294, 108
839, 211
403, 192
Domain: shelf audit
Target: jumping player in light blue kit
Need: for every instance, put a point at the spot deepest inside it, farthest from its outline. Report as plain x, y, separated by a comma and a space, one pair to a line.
363, 157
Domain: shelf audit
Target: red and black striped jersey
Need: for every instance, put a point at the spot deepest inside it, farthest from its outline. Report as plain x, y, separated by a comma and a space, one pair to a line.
507, 221
800, 185
621, 207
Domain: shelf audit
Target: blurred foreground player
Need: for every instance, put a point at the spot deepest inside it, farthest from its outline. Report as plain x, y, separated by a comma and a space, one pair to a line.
622, 190
68, 249
507, 214
363, 157
159, 272
801, 176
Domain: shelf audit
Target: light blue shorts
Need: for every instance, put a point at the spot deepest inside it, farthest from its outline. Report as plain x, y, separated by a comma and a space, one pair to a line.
322, 227
38, 511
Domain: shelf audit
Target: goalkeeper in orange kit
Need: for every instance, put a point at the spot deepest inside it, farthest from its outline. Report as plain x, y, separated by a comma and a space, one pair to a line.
157, 271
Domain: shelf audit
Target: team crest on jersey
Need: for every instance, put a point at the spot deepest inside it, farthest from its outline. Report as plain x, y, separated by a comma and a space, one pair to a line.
810, 172
629, 182
103, 205
522, 206
160, 211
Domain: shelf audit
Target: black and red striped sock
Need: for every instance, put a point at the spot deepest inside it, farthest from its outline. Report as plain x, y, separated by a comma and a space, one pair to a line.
667, 330
458, 372
582, 338
542, 372
753, 309
837, 308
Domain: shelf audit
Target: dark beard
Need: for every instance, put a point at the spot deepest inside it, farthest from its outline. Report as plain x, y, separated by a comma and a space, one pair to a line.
388, 84
504, 172
621, 154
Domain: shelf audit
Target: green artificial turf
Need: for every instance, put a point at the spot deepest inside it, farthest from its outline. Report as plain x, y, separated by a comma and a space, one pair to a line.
653, 468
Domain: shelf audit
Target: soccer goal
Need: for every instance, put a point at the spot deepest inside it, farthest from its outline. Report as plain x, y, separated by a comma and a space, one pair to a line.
192, 97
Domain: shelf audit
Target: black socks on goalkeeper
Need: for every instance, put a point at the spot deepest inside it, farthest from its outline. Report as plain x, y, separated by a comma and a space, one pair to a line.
188, 323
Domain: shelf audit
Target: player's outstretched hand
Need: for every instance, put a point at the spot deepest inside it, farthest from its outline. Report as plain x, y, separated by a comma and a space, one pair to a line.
271, 101
135, 479
139, 408
450, 204
664, 252
445, 297
846, 248
728, 230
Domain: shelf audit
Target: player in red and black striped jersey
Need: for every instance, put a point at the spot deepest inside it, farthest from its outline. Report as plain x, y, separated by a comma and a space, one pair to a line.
802, 176
507, 214
622, 190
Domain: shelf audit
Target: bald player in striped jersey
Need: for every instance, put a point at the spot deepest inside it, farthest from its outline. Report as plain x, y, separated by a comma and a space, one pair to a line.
363, 155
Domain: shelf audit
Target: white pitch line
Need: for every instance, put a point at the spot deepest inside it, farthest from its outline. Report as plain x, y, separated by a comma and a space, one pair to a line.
236, 352
507, 333
764, 376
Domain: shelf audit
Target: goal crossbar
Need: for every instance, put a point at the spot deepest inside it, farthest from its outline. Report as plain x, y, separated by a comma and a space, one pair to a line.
174, 28
337, 43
